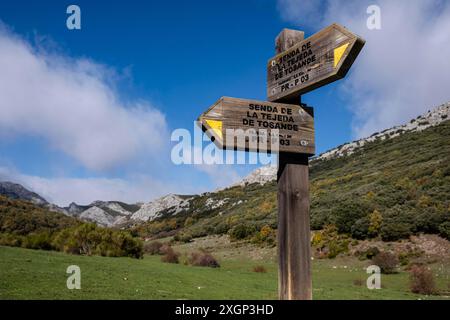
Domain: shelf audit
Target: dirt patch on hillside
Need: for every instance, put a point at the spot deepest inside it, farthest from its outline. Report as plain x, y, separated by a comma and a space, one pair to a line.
222, 247
432, 245
426, 244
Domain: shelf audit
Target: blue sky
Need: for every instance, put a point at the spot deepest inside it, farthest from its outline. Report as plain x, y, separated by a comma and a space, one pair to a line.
166, 62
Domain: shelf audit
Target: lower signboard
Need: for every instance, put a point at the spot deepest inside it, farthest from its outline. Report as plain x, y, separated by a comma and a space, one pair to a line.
260, 126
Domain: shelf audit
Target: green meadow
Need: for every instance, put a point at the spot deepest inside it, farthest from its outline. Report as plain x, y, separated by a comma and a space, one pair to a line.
35, 274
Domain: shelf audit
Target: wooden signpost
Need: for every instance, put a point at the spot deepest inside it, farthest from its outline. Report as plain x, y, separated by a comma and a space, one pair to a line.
299, 67
225, 120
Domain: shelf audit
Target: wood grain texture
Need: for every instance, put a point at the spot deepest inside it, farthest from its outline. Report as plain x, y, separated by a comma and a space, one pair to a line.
310, 64
294, 253
258, 121
287, 38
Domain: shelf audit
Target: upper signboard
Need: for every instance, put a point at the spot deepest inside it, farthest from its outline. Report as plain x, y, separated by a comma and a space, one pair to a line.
314, 62
251, 125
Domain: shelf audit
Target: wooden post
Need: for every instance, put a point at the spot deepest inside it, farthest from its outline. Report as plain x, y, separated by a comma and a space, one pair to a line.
294, 247
294, 235
287, 38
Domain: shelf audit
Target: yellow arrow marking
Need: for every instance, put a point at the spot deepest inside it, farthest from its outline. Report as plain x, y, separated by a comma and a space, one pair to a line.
338, 53
216, 126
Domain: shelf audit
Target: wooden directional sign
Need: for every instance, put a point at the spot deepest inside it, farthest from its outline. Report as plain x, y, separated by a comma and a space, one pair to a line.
314, 62
252, 125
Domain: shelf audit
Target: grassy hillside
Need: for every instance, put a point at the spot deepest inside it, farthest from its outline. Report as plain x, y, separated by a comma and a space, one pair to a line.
405, 179
22, 218
35, 274
389, 189
24, 224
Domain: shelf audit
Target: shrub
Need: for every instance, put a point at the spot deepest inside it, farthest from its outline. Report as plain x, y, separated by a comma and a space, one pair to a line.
337, 246
387, 262
444, 230
88, 239
221, 228
266, 235
358, 282
346, 213
422, 280
170, 256
259, 269
40, 241
189, 222
397, 224
369, 253
329, 243
241, 231
153, 247
129, 246
183, 237
360, 229
7, 239
203, 259
375, 222
430, 220
395, 231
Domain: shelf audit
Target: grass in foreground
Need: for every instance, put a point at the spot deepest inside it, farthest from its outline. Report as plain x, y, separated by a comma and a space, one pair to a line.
31, 274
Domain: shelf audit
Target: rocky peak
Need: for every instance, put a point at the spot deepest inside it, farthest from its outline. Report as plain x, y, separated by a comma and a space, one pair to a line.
16, 191
153, 209
260, 176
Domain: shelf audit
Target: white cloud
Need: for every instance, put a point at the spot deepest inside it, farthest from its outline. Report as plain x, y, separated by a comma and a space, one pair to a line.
73, 105
62, 190
221, 175
404, 68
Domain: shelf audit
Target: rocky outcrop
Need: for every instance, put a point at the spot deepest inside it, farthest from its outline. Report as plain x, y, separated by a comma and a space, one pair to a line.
429, 119
99, 216
171, 203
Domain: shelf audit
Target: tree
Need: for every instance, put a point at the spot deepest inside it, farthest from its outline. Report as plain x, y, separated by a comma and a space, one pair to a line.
375, 222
